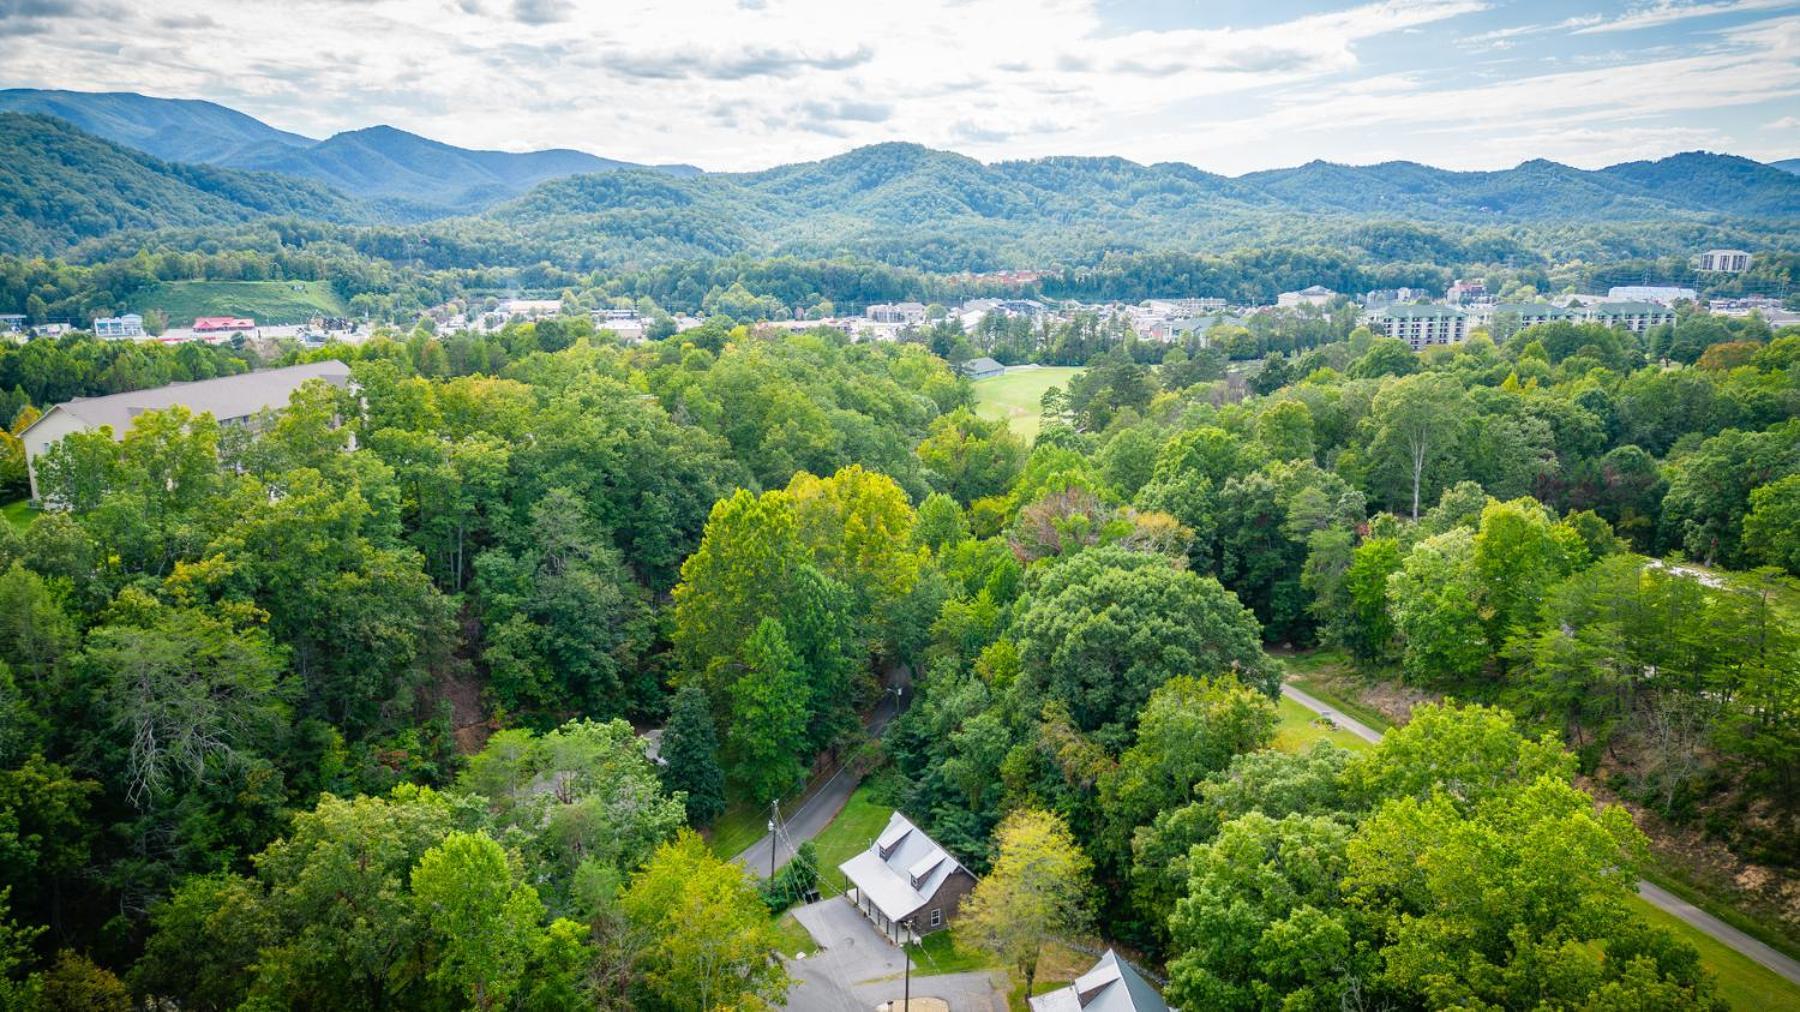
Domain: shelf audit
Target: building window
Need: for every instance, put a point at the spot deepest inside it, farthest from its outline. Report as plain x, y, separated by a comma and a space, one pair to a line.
937, 917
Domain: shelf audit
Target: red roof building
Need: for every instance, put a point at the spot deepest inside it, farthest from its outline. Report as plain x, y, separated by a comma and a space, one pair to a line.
218, 323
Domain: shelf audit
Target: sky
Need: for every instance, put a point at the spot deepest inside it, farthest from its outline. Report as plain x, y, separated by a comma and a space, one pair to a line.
1230, 86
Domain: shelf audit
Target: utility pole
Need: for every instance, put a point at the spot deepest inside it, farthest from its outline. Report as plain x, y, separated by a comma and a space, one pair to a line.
774, 814
904, 958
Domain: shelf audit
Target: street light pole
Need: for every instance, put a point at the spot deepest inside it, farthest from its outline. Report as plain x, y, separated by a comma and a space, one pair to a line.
904, 958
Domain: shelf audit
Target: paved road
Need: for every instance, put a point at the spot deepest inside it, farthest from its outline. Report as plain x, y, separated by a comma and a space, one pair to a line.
855, 968
1661, 898
817, 811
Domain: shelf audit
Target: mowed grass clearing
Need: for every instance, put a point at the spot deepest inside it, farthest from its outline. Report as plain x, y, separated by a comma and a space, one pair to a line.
1744, 983
1016, 397
856, 826
18, 514
264, 301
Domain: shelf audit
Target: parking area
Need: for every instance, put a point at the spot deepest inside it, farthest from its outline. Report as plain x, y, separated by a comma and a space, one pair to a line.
855, 968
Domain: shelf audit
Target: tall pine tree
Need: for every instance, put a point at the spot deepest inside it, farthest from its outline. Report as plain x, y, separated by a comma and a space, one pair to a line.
690, 750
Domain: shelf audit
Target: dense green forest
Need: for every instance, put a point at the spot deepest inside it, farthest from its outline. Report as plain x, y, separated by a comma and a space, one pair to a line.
340, 711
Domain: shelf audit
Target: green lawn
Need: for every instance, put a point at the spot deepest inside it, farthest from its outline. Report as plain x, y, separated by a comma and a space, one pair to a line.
855, 827
18, 514
792, 937
1321, 674
1743, 982
264, 301
1300, 728
741, 825
939, 952
1017, 395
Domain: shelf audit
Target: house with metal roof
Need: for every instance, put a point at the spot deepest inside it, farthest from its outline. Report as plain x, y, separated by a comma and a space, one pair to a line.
231, 400
981, 368
906, 881
1111, 986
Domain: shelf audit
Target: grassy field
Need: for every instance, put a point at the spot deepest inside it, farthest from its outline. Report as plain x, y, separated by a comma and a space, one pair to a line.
1744, 983
861, 821
1015, 396
792, 937
18, 514
740, 826
264, 301
939, 952
1300, 728
1321, 673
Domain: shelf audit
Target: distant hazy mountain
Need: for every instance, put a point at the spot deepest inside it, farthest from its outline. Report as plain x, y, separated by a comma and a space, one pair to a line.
384, 163
59, 186
411, 174
175, 130
1787, 165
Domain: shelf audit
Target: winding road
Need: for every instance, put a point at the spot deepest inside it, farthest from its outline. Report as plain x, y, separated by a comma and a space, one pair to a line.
1653, 894
819, 806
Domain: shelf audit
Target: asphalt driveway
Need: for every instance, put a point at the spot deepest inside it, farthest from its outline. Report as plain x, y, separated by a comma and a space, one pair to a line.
855, 968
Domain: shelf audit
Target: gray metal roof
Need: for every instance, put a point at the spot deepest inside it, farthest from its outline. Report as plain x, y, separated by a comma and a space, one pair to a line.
901, 870
1110, 986
228, 397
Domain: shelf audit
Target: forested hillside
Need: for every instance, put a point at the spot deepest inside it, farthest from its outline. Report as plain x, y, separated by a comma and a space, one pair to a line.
493, 208
59, 186
291, 724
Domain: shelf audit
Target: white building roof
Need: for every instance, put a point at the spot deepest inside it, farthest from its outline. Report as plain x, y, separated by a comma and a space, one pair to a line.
226, 397
902, 870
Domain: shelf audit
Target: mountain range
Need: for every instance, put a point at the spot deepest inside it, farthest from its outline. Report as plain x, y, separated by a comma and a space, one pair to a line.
409, 175
84, 166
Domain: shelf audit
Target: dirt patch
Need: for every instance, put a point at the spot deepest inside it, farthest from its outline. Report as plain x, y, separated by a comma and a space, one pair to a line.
1706, 862
1390, 699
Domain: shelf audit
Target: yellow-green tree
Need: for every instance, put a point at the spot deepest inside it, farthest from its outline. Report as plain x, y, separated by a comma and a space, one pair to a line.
708, 938
1037, 891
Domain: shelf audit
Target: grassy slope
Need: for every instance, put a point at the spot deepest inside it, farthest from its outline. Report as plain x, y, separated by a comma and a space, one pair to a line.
860, 822
1015, 396
1745, 984
18, 514
264, 301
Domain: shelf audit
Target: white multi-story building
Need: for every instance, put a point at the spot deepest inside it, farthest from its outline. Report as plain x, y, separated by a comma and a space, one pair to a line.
1730, 261
1636, 317
119, 328
907, 313
1421, 326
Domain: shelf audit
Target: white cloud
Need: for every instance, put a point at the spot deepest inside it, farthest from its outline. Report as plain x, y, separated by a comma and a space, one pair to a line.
730, 84
1668, 11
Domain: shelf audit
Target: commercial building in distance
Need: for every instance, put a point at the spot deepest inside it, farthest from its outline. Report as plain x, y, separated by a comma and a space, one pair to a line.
1728, 261
1421, 326
119, 328
232, 400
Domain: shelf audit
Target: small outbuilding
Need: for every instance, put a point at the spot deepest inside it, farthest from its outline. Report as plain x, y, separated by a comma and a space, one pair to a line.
981, 368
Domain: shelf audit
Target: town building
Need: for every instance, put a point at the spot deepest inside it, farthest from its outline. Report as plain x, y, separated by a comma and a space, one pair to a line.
1666, 295
981, 368
908, 313
119, 328
1111, 985
231, 400
1312, 295
905, 883
1729, 261
11, 323
224, 325
1466, 291
1421, 325
1636, 317
1524, 314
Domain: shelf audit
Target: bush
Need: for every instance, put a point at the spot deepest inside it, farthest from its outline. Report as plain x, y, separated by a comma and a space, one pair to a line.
795, 881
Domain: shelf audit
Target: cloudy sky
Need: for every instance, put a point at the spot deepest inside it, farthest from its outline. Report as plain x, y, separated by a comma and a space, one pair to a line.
1228, 85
